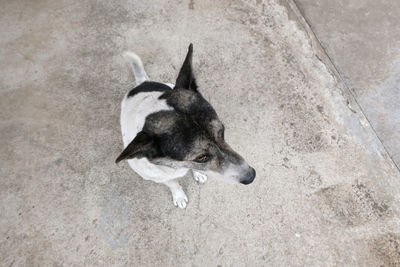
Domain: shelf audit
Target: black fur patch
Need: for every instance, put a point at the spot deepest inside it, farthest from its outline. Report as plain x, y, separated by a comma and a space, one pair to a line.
186, 78
175, 139
189, 102
175, 131
149, 87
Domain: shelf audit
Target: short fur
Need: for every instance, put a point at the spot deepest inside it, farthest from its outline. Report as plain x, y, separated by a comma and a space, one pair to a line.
170, 129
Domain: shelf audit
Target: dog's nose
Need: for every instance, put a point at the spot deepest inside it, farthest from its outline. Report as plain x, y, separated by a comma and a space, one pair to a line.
250, 177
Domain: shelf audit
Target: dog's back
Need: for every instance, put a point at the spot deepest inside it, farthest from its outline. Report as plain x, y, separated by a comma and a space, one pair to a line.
137, 104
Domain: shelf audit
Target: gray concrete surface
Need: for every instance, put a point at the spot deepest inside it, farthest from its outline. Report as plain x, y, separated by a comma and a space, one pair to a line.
362, 39
326, 193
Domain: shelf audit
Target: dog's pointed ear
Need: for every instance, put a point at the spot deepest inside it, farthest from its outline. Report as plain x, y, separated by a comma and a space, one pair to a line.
143, 145
186, 78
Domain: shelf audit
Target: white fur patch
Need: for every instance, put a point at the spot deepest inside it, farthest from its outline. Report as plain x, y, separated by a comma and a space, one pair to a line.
137, 67
134, 111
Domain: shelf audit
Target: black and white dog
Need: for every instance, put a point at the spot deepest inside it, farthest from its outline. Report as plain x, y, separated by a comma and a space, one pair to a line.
168, 129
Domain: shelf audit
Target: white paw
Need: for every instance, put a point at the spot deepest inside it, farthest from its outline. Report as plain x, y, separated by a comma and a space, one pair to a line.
180, 199
199, 177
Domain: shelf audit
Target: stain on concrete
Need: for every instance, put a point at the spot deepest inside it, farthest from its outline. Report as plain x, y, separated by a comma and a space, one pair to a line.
114, 221
354, 205
387, 248
191, 4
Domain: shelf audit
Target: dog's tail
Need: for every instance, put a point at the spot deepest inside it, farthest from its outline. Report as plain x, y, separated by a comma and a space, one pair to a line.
137, 67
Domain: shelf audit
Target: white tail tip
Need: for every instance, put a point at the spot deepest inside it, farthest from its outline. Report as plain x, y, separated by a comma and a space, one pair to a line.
137, 67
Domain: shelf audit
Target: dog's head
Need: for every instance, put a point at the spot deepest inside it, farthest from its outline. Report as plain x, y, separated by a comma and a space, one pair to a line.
189, 136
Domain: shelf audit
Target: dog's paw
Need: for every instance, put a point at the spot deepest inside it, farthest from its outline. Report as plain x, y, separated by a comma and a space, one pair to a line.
180, 199
199, 177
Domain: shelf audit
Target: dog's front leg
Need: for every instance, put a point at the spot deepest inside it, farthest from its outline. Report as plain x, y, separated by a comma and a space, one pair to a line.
199, 177
178, 195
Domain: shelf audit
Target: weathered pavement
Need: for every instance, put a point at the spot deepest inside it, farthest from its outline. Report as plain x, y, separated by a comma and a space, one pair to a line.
326, 191
362, 39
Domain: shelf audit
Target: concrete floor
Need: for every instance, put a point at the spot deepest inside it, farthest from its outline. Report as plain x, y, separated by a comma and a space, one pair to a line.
362, 39
327, 193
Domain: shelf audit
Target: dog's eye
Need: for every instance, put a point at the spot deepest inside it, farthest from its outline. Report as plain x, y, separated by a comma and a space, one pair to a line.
202, 158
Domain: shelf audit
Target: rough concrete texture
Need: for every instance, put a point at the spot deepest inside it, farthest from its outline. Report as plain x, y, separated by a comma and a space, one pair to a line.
326, 192
362, 39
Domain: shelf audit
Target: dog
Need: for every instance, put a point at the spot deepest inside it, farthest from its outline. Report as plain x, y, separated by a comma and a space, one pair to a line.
169, 129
